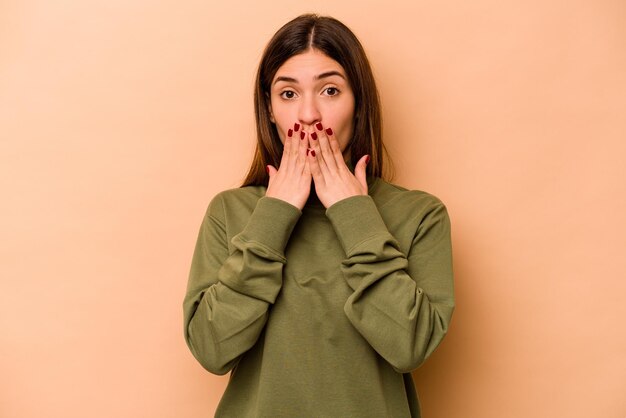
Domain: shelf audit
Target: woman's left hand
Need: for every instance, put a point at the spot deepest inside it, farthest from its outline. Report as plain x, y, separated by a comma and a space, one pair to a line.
332, 177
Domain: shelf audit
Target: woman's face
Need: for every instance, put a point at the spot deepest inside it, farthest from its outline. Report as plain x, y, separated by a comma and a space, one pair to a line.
310, 88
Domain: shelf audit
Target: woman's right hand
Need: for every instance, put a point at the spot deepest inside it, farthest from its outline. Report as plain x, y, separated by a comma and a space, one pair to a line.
291, 182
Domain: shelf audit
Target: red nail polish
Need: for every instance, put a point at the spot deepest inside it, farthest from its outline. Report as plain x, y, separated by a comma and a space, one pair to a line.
314, 136
296, 127
319, 126
313, 152
329, 131
289, 133
307, 151
302, 134
367, 160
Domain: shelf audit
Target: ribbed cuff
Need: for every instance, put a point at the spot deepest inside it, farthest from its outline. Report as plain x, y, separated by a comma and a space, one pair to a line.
271, 223
356, 219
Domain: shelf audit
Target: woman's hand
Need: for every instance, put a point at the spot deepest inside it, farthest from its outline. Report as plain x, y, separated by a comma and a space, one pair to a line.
332, 177
292, 181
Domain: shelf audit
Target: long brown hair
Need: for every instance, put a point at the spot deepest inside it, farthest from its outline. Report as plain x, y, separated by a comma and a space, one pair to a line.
337, 41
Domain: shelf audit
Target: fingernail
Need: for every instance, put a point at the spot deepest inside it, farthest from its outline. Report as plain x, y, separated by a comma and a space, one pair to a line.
289, 133
296, 127
314, 135
307, 151
329, 131
313, 152
318, 125
301, 134
367, 160
267, 168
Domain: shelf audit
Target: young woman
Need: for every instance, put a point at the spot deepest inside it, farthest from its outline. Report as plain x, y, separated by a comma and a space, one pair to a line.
317, 284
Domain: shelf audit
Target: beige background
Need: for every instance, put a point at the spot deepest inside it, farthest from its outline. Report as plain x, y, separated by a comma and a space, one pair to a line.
119, 120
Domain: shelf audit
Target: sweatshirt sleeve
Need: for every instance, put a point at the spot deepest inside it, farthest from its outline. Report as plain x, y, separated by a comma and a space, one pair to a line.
402, 303
229, 291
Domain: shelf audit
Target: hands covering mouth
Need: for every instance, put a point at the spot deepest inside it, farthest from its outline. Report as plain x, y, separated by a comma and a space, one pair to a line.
315, 155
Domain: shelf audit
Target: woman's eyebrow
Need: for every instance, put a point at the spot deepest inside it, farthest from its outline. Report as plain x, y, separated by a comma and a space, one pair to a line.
287, 79
317, 77
329, 74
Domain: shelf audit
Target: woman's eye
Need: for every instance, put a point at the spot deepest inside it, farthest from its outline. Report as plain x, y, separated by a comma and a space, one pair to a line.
288, 94
331, 91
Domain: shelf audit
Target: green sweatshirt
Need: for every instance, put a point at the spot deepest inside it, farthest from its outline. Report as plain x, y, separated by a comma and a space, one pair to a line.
320, 312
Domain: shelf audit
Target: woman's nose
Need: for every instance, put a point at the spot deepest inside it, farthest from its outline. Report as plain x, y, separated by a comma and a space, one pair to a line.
309, 112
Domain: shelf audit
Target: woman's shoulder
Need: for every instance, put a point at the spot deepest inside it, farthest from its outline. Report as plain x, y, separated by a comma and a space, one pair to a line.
245, 193
240, 200
386, 194
401, 207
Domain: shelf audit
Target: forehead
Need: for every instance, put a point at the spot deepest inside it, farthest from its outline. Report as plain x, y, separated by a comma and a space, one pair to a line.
308, 65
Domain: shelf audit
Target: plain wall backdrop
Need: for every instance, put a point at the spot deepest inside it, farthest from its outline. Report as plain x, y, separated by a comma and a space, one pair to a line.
119, 121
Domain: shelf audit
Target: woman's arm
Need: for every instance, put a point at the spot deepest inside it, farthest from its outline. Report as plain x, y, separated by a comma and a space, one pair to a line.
402, 303
229, 291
